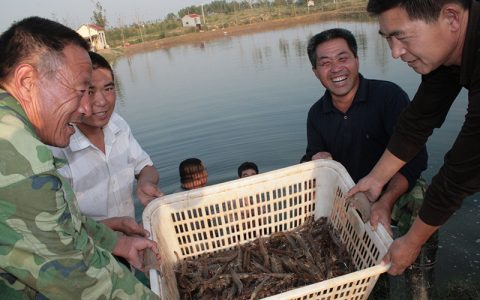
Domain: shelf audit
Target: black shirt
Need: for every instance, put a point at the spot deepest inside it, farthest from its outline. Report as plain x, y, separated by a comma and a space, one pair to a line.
358, 138
460, 174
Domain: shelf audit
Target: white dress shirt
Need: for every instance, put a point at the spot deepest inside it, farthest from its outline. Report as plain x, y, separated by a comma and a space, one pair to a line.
103, 182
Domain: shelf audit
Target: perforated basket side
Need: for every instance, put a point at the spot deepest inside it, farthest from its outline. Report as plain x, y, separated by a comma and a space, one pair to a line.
353, 286
364, 245
213, 222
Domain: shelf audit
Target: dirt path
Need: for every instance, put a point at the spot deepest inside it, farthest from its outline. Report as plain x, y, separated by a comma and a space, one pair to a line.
198, 37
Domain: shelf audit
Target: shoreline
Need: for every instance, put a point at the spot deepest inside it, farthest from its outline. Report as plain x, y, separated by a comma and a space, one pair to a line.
198, 37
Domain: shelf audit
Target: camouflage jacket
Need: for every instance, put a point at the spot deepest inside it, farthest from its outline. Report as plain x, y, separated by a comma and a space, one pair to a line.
47, 248
406, 209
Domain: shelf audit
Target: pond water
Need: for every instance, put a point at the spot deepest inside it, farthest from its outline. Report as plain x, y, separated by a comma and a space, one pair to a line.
246, 98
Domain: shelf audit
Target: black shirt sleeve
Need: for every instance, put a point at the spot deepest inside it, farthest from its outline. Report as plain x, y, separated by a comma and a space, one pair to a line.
427, 111
460, 174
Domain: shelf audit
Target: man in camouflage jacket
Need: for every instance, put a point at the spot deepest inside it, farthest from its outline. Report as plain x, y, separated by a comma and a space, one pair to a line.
47, 248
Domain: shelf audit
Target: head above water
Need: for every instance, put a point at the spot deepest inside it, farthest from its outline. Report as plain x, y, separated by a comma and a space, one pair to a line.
193, 174
45, 67
425, 10
328, 35
247, 169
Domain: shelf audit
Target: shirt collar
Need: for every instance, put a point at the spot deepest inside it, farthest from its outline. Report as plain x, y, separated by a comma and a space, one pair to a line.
79, 141
360, 96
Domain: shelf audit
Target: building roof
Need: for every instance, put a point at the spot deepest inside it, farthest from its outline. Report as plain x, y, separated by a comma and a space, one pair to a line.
93, 26
193, 16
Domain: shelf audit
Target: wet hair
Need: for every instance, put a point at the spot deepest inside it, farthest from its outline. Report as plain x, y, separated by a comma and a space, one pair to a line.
425, 10
99, 62
188, 168
36, 41
327, 35
245, 166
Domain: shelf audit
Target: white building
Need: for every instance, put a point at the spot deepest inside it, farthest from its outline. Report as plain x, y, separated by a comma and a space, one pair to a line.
191, 20
95, 35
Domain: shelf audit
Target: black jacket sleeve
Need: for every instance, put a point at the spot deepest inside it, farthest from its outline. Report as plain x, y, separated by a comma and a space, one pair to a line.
426, 112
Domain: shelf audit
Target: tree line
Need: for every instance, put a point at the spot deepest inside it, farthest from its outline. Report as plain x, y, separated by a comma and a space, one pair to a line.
218, 14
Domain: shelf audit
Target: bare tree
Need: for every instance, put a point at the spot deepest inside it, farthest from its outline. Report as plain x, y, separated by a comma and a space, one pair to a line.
99, 15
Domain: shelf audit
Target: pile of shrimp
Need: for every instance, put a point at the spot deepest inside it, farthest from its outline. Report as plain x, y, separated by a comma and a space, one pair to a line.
267, 266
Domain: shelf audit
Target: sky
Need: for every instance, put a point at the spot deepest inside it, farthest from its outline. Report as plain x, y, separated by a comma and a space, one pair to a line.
74, 13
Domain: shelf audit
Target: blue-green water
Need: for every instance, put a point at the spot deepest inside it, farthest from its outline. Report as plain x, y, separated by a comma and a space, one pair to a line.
246, 98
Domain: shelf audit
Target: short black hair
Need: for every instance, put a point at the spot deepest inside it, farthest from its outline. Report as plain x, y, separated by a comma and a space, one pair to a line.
188, 167
32, 38
425, 10
99, 62
327, 35
245, 166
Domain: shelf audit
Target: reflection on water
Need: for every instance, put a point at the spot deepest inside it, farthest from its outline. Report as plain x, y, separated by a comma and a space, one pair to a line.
284, 49
246, 98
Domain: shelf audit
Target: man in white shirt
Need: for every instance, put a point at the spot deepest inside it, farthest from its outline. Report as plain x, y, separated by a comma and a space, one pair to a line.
103, 159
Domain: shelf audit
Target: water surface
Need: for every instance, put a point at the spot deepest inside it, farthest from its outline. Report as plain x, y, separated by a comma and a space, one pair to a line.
246, 98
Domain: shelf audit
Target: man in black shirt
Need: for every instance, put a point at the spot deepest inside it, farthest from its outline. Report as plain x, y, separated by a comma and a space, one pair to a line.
353, 121
441, 41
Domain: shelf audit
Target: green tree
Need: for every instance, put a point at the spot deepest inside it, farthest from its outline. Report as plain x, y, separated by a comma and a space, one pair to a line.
99, 15
190, 10
171, 16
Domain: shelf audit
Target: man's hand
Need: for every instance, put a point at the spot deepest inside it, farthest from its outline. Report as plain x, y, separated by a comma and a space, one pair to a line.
369, 186
322, 155
126, 225
373, 183
381, 213
131, 248
404, 250
402, 253
147, 188
147, 191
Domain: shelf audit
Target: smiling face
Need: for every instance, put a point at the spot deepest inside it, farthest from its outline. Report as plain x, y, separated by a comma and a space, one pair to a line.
102, 98
337, 69
60, 98
423, 46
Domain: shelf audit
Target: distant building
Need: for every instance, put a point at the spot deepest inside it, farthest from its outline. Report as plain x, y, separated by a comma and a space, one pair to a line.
95, 35
192, 20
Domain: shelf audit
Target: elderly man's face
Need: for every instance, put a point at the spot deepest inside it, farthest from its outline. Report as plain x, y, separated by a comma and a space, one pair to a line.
61, 99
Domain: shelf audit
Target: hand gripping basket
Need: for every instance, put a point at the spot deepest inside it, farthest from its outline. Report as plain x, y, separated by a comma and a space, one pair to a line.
219, 217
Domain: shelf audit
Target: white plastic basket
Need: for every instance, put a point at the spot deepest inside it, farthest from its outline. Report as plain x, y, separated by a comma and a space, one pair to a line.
219, 217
